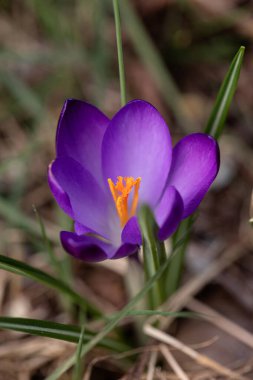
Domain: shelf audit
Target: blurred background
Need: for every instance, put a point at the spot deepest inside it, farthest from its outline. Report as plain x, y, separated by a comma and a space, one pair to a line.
176, 56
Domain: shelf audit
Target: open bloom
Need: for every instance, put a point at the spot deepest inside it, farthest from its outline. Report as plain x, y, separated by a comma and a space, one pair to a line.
106, 169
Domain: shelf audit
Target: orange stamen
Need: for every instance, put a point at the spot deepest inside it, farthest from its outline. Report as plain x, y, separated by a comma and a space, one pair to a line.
120, 193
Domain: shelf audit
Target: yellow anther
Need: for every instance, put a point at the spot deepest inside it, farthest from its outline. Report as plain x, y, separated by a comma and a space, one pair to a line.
120, 193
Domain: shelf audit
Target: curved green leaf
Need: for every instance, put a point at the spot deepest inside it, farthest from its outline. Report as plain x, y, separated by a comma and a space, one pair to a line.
113, 322
68, 333
20, 268
214, 128
225, 95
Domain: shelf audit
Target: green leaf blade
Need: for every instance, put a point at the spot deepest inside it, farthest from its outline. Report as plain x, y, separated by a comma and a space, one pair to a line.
79, 363
214, 127
113, 323
225, 95
151, 259
65, 332
22, 269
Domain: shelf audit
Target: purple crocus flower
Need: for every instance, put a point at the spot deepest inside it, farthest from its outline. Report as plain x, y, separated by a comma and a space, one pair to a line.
106, 169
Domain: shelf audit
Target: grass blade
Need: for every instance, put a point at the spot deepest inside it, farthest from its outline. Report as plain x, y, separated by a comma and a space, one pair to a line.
26, 97
151, 58
53, 261
150, 254
173, 274
57, 265
78, 366
225, 95
120, 52
113, 323
68, 333
215, 126
17, 218
20, 268
148, 313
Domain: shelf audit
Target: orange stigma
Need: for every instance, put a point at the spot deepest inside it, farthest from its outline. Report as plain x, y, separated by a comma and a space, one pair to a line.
120, 193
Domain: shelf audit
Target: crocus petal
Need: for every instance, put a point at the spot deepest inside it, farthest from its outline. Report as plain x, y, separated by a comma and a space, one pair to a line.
89, 248
125, 250
79, 134
131, 232
80, 229
195, 164
137, 144
169, 212
59, 194
89, 203
86, 248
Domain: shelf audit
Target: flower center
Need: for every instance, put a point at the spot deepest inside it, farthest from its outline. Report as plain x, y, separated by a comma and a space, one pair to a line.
120, 193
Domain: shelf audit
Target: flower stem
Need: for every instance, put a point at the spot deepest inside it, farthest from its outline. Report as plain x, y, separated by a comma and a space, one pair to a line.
175, 267
120, 52
150, 254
